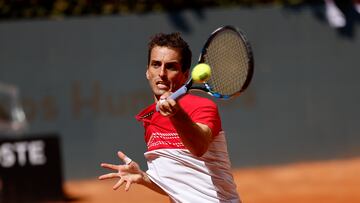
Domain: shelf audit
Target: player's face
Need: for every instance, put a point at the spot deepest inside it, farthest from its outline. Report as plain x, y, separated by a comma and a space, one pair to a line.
164, 70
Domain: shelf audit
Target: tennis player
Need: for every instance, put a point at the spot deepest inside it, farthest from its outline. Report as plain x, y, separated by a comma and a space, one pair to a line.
186, 153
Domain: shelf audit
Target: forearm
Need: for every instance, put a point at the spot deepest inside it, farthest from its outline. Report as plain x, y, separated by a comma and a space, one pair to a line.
195, 136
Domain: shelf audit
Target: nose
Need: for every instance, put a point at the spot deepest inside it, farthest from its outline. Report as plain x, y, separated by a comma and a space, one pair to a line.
162, 71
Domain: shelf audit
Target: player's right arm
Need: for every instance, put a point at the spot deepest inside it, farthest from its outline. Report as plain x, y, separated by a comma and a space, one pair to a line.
129, 173
195, 136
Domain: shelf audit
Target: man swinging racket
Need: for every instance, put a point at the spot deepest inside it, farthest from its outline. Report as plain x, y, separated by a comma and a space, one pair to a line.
186, 153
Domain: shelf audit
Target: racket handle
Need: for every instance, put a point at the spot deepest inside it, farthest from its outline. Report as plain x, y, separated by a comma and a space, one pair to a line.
178, 93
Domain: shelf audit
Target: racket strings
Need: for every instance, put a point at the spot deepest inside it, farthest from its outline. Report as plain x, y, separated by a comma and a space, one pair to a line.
228, 58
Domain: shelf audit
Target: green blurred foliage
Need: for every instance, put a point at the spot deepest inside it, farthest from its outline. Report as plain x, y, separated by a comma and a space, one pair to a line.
25, 9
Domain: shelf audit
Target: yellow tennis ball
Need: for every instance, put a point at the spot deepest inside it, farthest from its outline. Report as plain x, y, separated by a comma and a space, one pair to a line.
201, 72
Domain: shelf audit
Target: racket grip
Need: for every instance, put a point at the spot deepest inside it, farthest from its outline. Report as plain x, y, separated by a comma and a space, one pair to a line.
178, 93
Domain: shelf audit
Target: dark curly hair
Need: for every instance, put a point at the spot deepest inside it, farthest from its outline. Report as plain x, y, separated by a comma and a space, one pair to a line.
172, 40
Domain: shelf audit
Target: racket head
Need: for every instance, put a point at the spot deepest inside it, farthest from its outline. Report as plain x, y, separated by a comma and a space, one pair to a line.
228, 52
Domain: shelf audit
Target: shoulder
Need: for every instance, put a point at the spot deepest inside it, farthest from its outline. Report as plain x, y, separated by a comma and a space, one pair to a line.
191, 103
202, 110
194, 100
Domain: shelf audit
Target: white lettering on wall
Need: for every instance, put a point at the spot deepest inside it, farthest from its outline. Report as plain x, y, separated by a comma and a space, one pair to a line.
24, 152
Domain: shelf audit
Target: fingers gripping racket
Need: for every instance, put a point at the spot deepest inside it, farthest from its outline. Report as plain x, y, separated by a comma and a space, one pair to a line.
229, 55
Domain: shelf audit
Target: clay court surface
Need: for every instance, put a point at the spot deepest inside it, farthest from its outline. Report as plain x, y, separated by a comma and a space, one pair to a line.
336, 181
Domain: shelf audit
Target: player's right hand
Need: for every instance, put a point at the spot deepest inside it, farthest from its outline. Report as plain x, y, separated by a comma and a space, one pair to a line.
168, 107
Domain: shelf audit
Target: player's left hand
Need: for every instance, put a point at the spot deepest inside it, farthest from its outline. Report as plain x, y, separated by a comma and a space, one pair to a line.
128, 173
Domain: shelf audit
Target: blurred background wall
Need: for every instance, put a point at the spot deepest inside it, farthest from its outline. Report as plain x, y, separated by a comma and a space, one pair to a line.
83, 77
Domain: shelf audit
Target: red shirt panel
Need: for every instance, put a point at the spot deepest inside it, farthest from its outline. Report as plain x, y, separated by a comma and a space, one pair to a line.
161, 134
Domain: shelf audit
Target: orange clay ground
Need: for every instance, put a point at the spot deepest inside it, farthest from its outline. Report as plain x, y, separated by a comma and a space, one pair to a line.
335, 181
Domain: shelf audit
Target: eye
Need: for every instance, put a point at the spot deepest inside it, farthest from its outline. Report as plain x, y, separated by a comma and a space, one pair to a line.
155, 64
173, 66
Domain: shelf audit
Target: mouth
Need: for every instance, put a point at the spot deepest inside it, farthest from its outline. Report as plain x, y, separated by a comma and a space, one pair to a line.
162, 85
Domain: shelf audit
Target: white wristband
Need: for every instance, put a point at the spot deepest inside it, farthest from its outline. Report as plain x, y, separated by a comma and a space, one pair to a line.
127, 160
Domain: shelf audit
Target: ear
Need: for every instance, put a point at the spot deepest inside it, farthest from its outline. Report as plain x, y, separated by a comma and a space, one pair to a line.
147, 73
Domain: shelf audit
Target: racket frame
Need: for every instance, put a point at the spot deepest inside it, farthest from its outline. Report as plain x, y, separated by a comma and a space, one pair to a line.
206, 87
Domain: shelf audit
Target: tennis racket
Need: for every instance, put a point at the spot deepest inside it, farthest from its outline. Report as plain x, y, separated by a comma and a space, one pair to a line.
228, 52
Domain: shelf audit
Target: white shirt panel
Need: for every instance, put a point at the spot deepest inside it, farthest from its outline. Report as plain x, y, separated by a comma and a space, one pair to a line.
190, 179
